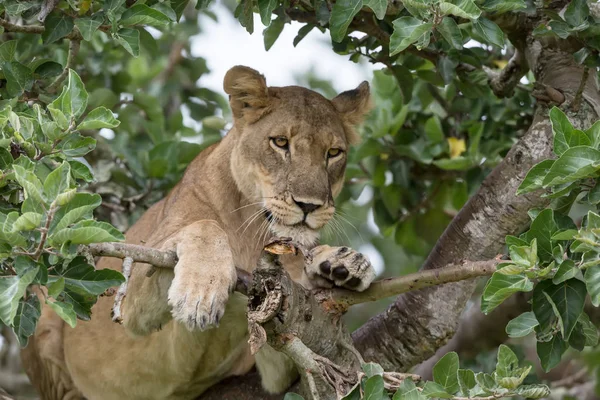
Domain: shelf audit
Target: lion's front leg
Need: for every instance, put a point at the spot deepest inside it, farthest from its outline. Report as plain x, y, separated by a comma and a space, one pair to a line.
204, 276
339, 266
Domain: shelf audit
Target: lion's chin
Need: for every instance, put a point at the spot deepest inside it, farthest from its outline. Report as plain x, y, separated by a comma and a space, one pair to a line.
300, 233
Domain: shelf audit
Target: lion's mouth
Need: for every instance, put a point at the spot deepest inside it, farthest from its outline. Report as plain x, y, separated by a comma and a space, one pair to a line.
302, 224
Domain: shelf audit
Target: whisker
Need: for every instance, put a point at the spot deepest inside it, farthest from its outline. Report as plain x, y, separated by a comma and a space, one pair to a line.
256, 215
351, 224
341, 227
251, 218
247, 205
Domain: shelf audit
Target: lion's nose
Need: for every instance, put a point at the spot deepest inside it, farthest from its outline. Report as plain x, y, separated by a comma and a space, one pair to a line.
307, 207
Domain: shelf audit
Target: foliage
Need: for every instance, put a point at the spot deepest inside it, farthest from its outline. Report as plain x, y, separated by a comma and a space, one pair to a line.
450, 382
53, 104
117, 77
556, 259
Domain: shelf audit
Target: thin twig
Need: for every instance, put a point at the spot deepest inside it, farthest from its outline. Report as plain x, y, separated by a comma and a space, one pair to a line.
73, 50
117, 315
576, 103
418, 280
44, 230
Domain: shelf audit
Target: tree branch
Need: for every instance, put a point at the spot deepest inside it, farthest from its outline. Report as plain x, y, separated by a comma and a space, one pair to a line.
74, 45
504, 82
341, 297
422, 279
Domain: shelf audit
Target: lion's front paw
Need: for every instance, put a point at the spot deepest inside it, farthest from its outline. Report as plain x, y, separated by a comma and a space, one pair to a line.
198, 300
339, 266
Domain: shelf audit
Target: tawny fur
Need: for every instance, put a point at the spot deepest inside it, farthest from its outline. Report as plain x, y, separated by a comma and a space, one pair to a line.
169, 346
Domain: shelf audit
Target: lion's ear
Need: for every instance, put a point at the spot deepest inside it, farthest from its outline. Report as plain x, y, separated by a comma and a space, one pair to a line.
354, 104
248, 93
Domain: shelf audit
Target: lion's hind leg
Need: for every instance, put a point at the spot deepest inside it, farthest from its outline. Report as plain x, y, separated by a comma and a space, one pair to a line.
44, 360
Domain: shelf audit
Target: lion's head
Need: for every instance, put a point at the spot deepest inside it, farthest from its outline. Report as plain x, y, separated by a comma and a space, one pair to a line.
291, 149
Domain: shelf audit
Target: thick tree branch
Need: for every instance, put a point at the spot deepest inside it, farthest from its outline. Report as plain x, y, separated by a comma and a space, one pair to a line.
419, 322
341, 298
503, 82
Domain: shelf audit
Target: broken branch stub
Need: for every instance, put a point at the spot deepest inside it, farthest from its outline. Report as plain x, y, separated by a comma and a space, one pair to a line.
286, 316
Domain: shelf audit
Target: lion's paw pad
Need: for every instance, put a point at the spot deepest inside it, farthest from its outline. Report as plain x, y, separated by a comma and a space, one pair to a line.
340, 266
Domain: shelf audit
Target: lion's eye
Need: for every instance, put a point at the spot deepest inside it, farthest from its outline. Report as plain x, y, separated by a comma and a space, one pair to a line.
334, 152
281, 142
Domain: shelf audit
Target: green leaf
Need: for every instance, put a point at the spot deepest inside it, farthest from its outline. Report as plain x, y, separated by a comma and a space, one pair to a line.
98, 118
577, 13
64, 310
489, 31
569, 299
502, 6
302, 32
292, 396
130, 40
551, 352
56, 287
374, 388
271, 33
379, 7
86, 232
466, 381
508, 363
543, 227
342, 13
407, 30
590, 332
500, 287
407, 391
48, 69
27, 222
522, 325
574, 164
266, 8
566, 271
30, 183
82, 278
535, 177
561, 128
141, 14
533, 391
19, 78
56, 26
76, 145
12, 289
8, 50
81, 171
372, 369
445, 372
28, 313
57, 181
81, 206
461, 8
73, 99
435, 390
245, 14
565, 136
88, 26
592, 283
451, 32
82, 303
486, 381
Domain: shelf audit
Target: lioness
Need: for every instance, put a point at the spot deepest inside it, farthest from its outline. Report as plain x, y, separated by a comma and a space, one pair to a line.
275, 173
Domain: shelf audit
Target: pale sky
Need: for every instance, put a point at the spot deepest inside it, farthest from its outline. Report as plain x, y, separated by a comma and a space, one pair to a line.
226, 43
